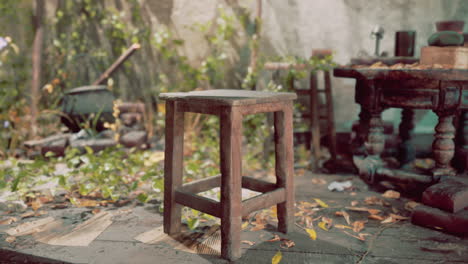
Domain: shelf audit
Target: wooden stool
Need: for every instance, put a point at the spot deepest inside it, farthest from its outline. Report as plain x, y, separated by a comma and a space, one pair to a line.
230, 106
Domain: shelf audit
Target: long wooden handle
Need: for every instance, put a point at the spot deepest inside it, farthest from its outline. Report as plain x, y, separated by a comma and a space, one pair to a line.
117, 63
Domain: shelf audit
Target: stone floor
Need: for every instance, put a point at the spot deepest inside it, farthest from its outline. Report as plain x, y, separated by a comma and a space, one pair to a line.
394, 242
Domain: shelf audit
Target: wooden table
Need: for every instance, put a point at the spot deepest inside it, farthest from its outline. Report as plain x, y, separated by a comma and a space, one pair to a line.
444, 91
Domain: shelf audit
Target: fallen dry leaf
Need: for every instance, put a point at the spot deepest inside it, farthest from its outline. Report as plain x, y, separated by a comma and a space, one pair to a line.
312, 233
299, 172
8, 221
321, 203
376, 217
287, 243
277, 258
27, 214
319, 181
245, 225
96, 211
374, 211
360, 236
323, 226
373, 200
358, 226
327, 220
411, 205
399, 217
10, 239
343, 227
250, 243
274, 239
36, 204
345, 215
357, 209
388, 220
391, 194
354, 203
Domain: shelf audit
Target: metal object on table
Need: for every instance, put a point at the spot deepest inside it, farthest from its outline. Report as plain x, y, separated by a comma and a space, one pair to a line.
442, 90
377, 33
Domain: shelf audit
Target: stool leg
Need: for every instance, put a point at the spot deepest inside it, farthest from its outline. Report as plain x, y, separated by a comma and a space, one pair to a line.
231, 187
284, 166
173, 164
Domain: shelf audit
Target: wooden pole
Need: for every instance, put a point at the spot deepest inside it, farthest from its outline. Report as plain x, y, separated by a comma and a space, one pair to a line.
36, 63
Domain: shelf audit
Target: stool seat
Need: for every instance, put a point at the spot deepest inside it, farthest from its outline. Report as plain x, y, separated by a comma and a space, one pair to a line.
229, 97
230, 106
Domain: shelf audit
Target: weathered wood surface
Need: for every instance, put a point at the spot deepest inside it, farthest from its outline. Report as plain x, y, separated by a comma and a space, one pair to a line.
400, 74
384, 60
228, 97
457, 57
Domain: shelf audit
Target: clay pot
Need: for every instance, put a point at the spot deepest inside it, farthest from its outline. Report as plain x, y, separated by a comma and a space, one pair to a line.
450, 25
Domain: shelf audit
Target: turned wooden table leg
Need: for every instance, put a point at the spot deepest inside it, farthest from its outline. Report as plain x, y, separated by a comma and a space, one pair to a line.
443, 146
462, 143
231, 183
406, 151
375, 138
173, 165
284, 167
357, 143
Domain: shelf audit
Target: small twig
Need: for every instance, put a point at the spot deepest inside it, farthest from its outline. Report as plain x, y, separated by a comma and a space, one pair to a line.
371, 242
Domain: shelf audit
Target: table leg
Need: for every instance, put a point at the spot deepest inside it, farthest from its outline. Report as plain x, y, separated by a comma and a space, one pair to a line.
443, 146
357, 143
231, 183
462, 143
284, 167
173, 167
375, 138
406, 151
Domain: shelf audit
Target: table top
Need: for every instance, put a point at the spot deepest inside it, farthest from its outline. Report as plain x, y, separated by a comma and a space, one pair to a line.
401, 74
229, 97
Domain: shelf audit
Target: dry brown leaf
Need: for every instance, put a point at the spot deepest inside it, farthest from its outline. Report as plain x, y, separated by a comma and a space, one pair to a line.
388, 220
86, 203
309, 223
373, 200
376, 217
10, 239
319, 181
399, 217
328, 221
287, 243
46, 199
352, 193
358, 209
374, 211
8, 221
257, 228
358, 226
36, 204
250, 243
299, 172
354, 203
345, 215
411, 205
41, 213
28, 214
275, 238
359, 236
391, 194
96, 211
343, 227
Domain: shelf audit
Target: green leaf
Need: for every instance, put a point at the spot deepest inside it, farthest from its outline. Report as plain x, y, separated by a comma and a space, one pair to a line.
49, 154
143, 197
193, 223
62, 181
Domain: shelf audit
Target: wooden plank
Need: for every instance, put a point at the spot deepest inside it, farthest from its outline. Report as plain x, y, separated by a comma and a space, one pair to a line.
152, 236
82, 235
263, 201
260, 108
202, 185
30, 227
257, 185
173, 163
284, 166
198, 202
231, 187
